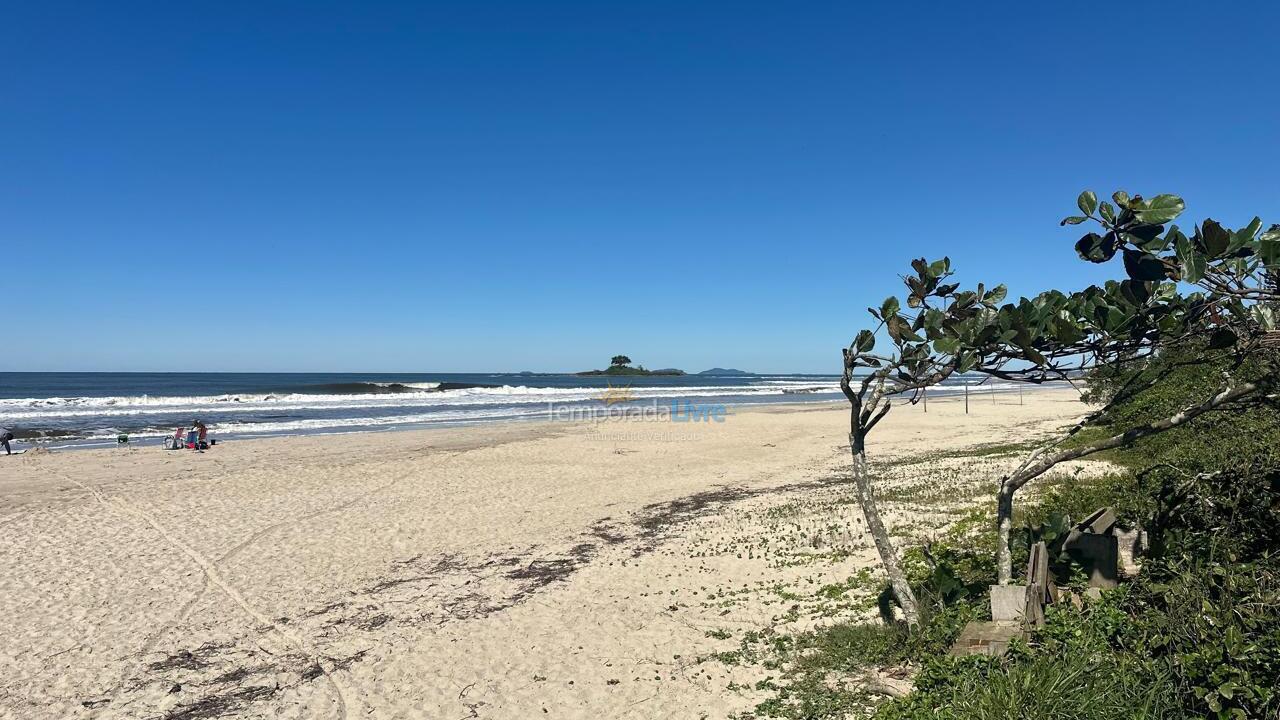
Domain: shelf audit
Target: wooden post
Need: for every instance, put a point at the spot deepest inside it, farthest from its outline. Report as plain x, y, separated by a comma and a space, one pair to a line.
1037, 587
1019, 394
966, 397
925, 395
993, 394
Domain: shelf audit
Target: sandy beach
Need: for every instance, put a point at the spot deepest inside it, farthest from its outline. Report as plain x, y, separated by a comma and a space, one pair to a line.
565, 570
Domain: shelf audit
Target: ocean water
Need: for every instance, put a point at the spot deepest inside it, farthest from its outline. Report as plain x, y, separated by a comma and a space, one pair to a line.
88, 409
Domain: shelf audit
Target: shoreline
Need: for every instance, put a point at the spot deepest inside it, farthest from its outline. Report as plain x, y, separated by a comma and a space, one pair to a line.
502, 569
548, 414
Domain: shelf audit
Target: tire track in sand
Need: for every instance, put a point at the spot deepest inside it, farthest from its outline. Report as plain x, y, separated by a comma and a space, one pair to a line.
214, 576
257, 535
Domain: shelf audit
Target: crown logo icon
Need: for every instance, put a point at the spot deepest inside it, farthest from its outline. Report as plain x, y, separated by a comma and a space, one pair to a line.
613, 395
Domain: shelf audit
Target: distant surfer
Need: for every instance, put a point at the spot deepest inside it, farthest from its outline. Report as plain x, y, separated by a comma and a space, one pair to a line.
6, 435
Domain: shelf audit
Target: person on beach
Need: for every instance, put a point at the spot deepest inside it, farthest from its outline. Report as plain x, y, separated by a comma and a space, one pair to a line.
202, 434
6, 436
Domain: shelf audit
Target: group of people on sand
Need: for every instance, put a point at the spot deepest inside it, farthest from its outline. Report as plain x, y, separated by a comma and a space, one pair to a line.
197, 437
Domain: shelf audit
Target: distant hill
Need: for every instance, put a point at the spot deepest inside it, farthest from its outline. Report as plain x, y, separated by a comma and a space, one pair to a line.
725, 372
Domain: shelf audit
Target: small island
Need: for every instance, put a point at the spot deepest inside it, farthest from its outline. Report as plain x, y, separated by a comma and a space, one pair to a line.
621, 365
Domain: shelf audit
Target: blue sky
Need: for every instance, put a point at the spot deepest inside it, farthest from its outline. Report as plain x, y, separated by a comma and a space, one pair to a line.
538, 186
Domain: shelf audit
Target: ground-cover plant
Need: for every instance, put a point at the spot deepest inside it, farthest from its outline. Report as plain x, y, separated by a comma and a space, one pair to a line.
823, 674
1216, 626
1063, 684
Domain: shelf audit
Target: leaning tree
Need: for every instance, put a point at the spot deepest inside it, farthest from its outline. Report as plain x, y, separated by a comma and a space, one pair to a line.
870, 379
1056, 336
1232, 315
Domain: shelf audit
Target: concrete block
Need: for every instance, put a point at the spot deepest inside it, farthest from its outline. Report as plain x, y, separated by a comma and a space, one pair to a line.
1100, 522
1129, 547
1008, 602
1099, 555
986, 638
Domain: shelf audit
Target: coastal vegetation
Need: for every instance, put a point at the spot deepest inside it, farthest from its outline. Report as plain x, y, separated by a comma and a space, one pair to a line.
1194, 635
621, 365
1184, 387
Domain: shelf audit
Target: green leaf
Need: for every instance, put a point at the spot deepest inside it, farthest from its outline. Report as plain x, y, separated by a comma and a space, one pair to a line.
889, 307
1193, 261
1194, 269
1087, 202
1146, 237
1121, 197
1066, 330
1095, 248
1135, 291
1108, 213
996, 295
865, 341
1216, 238
1264, 316
1073, 220
1143, 267
1252, 228
1243, 237
900, 331
1270, 252
1116, 318
1161, 209
947, 345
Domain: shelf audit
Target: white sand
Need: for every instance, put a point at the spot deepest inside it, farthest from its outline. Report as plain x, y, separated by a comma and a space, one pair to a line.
493, 572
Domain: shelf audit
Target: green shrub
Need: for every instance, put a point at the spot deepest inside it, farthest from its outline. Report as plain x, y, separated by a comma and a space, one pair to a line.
1196, 636
1218, 627
1077, 498
1199, 634
1035, 686
1071, 672
1239, 439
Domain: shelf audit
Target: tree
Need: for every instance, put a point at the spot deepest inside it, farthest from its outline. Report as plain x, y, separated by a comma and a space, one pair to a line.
1234, 317
620, 361
1056, 336
908, 368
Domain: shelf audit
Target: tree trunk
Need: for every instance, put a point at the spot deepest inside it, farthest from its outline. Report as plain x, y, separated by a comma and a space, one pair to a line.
888, 556
1004, 526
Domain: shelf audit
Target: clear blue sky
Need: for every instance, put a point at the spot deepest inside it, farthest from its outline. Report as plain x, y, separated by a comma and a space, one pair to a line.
486, 186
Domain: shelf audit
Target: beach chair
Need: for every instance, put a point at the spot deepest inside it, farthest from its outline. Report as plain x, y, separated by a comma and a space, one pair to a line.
177, 440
